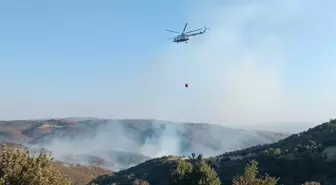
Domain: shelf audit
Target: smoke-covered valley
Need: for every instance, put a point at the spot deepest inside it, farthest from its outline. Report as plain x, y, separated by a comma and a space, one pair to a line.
119, 144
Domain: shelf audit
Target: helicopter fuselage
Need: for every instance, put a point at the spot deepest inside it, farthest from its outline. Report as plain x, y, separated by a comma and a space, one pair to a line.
181, 38
185, 36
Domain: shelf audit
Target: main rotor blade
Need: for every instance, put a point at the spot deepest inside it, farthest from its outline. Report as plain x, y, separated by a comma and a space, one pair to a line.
185, 27
171, 38
194, 30
173, 31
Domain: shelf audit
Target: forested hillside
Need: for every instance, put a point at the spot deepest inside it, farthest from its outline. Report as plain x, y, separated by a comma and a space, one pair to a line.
307, 156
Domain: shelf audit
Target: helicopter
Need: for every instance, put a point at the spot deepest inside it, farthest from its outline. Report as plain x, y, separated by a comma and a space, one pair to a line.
185, 36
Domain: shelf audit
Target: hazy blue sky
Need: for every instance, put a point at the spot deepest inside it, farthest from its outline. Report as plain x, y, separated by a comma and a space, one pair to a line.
261, 62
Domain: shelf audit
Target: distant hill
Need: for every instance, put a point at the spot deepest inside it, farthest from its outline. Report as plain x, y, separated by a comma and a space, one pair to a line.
307, 156
120, 144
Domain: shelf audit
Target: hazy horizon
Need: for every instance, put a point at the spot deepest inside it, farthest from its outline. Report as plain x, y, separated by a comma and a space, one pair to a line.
261, 64
286, 127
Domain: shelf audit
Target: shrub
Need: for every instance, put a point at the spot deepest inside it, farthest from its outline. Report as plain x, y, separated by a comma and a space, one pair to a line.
250, 177
17, 166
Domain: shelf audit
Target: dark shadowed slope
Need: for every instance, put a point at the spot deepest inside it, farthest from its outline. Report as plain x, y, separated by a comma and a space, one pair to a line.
307, 156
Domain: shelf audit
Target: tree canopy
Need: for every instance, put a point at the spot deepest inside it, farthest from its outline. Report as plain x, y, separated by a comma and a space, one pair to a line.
18, 167
250, 177
195, 172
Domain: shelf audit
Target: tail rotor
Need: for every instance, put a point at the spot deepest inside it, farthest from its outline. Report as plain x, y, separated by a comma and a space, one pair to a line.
206, 28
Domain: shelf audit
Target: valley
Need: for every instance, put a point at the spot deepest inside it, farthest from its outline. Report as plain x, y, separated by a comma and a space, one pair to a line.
113, 145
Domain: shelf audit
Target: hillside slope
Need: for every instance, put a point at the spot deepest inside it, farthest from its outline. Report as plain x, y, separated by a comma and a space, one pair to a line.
307, 156
119, 144
80, 174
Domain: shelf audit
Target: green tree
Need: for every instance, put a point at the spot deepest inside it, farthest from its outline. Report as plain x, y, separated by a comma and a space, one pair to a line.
18, 167
140, 182
181, 173
203, 174
196, 172
199, 157
250, 177
193, 155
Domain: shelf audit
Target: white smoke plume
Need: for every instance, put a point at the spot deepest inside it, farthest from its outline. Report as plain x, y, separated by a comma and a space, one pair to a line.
121, 145
250, 69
